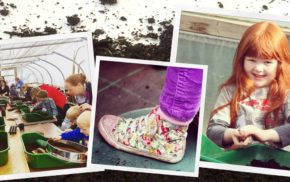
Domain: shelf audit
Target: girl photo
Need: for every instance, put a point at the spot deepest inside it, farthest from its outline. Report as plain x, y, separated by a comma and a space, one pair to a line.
247, 100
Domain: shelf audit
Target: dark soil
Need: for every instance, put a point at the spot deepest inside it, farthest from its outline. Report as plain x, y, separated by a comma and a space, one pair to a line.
150, 35
150, 28
31, 147
265, 7
151, 20
12, 5
73, 20
269, 164
220, 5
271, 1
108, 1
4, 12
98, 32
50, 30
6, 8
123, 18
121, 47
24, 31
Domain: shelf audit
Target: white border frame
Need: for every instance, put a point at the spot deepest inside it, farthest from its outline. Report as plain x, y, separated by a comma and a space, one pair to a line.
88, 37
198, 144
242, 14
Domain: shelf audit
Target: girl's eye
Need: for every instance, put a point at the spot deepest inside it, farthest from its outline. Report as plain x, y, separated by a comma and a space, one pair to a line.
251, 60
268, 62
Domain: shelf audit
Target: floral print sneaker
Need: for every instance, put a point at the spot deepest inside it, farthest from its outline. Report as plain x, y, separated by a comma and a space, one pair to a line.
150, 136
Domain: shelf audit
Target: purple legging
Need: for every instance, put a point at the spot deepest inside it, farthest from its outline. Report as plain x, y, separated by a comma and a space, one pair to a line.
180, 97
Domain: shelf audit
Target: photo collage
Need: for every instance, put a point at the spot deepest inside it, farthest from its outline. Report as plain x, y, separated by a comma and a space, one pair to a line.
144, 87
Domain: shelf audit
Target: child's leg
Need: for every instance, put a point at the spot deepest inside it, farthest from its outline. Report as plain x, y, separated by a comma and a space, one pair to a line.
180, 98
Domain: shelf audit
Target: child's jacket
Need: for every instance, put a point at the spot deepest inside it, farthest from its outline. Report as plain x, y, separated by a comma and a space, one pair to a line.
75, 136
251, 111
48, 106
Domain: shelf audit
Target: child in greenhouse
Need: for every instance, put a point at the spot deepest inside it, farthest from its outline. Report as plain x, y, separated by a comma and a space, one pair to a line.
45, 104
161, 134
12, 92
70, 118
254, 103
81, 133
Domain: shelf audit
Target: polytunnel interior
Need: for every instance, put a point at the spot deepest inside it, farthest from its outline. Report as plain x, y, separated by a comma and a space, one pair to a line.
44, 61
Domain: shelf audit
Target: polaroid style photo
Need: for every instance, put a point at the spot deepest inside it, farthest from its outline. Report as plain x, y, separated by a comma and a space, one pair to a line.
148, 115
45, 102
246, 104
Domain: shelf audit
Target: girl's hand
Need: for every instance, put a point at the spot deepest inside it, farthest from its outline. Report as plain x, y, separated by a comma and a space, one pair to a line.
86, 106
234, 136
257, 133
263, 136
242, 143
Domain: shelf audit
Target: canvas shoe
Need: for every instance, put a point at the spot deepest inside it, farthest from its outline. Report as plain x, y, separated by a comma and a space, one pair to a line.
149, 135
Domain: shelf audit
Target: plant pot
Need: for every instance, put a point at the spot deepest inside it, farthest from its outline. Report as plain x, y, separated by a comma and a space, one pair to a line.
4, 148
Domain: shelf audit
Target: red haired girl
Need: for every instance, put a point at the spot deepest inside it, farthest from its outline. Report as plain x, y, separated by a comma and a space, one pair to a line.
255, 101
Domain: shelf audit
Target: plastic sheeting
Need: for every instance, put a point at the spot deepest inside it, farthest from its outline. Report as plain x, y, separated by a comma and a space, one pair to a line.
47, 61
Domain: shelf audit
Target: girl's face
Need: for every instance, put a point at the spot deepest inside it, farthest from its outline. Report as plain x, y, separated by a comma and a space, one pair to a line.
74, 90
261, 71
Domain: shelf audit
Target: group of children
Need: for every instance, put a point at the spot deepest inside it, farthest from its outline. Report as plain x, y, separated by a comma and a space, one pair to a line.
76, 124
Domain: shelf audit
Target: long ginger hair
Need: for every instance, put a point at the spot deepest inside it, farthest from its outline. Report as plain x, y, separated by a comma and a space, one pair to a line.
262, 40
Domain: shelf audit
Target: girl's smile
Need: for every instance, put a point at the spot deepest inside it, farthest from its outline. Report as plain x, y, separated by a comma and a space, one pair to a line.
258, 76
261, 71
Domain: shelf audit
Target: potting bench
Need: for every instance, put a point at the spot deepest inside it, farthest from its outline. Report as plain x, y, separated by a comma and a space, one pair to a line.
17, 162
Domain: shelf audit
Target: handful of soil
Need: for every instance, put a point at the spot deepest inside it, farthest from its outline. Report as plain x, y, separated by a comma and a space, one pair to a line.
272, 164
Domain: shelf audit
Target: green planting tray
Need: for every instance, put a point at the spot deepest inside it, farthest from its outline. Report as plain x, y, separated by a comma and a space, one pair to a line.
213, 153
43, 160
4, 98
4, 147
2, 124
21, 106
3, 101
34, 116
17, 102
25, 110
